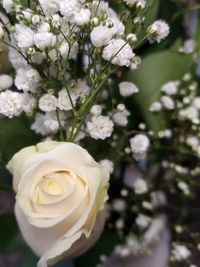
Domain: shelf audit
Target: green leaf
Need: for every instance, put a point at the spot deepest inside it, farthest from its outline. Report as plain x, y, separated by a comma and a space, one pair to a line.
156, 69
152, 13
10, 237
14, 135
105, 246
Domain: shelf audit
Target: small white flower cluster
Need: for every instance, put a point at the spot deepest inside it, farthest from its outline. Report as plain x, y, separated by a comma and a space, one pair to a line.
143, 221
140, 186
6, 81
47, 123
158, 31
185, 101
127, 89
176, 167
100, 127
12, 103
184, 104
180, 252
166, 101
183, 186
139, 146
188, 47
48, 39
137, 3
151, 227
108, 165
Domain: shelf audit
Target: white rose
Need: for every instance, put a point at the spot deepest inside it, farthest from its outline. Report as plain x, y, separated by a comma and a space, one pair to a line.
60, 191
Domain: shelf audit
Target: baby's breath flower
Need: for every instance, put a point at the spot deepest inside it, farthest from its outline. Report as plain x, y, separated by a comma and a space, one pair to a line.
143, 221
170, 88
100, 127
10, 104
155, 106
181, 252
158, 31
44, 40
139, 146
140, 186
6, 82
107, 165
118, 52
127, 89
167, 102
8, 5
188, 46
121, 118
138, 3
49, 6
82, 17
96, 110
64, 102
48, 103
29, 103
27, 79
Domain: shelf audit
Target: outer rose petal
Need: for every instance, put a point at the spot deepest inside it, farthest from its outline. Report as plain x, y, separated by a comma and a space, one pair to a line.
51, 247
16, 164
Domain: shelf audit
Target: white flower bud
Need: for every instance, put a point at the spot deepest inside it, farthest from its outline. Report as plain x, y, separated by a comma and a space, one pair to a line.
95, 21
127, 89
131, 38
35, 19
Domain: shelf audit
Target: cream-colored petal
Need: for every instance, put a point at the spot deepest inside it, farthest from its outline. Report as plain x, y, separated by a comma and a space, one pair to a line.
91, 175
67, 154
16, 164
47, 146
39, 239
74, 246
51, 244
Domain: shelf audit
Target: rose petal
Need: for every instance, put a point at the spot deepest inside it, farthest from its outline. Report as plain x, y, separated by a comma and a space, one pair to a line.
16, 164
51, 244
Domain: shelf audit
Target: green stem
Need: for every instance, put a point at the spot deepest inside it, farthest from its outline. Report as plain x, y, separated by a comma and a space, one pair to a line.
68, 93
62, 138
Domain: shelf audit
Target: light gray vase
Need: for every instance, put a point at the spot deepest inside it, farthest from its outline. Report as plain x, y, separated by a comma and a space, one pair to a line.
157, 239
157, 258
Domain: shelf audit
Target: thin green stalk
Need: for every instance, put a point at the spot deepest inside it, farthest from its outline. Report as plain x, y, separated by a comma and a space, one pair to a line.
62, 138
68, 93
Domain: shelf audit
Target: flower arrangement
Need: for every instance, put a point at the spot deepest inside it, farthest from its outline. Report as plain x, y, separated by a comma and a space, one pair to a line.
104, 104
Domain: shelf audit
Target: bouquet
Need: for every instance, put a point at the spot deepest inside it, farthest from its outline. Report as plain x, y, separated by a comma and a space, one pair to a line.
99, 131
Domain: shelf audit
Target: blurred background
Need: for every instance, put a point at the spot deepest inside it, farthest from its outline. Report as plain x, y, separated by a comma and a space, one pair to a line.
164, 59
